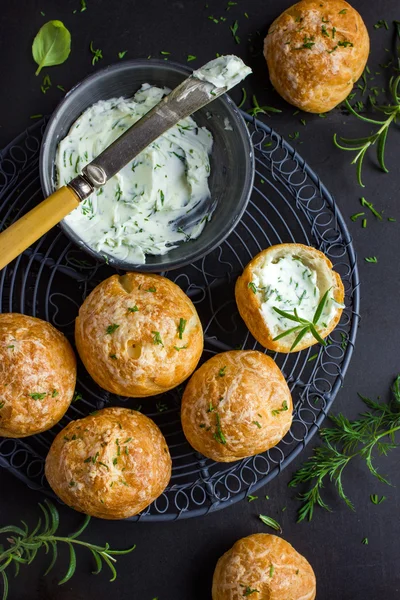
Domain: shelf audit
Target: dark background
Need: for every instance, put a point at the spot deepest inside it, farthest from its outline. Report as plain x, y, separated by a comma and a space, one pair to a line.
175, 561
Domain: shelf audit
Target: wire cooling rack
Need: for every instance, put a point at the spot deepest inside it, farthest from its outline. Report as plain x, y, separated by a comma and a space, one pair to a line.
50, 280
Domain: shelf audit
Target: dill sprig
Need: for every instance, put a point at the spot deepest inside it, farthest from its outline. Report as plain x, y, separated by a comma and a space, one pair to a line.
24, 546
374, 430
303, 326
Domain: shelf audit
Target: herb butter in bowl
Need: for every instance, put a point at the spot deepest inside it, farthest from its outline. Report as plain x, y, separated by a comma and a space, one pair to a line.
181, 196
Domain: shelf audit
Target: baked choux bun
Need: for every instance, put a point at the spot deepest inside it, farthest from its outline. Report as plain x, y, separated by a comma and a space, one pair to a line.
295, 279
37, 375
110, 465
316, 50
237, 404
138, 334
263, 567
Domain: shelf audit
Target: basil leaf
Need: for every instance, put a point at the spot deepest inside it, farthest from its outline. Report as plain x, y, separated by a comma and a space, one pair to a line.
51, 45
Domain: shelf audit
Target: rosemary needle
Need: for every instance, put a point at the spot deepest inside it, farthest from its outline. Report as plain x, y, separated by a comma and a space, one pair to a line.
270, 522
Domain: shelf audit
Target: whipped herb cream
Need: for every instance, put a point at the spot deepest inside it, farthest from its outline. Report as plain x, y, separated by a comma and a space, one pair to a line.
137, 212
289, 284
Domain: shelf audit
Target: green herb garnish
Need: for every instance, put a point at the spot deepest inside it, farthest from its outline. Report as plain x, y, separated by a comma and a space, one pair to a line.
111, 328
51, 45
356, 216
361, 145
221, 372
177, 348
371, 259
244, 98
304, 326
369, 205
97, 54
345, 44
234, 27
380, 24
46, 84
248, 590
181, 327
365, 541
151, 289
253, 112
251, 498
54, 393
38, 396
270, 522
308, 43
122, 54
24, 545
133, 309
271, 570
191, 57
252, 287
345, 441
284, 408
219, 435
157, 338
376, 500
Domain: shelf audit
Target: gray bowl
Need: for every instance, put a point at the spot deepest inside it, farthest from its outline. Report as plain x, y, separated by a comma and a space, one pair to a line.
232, 159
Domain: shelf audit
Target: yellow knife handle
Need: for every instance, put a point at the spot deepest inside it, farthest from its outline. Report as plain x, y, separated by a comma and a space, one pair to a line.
29, 228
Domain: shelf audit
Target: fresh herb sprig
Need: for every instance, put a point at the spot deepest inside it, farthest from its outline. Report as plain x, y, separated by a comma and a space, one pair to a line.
24, 546
345, 441
362, 145
303, 326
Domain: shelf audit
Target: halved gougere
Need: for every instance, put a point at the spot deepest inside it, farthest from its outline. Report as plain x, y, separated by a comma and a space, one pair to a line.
292, 278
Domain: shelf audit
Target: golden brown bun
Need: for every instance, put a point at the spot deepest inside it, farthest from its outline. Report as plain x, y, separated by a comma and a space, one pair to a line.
111, 464
249, 303
229, 406
318, 78
145, 354
37, 375
267, 564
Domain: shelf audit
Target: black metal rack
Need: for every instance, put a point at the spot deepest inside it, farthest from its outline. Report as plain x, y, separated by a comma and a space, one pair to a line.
288, 204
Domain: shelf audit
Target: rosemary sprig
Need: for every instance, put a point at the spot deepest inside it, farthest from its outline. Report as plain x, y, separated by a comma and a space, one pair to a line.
304, 326
345, 441
361, 145
24, 546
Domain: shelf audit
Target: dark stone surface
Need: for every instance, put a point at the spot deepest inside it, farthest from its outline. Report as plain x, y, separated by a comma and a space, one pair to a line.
175, 561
